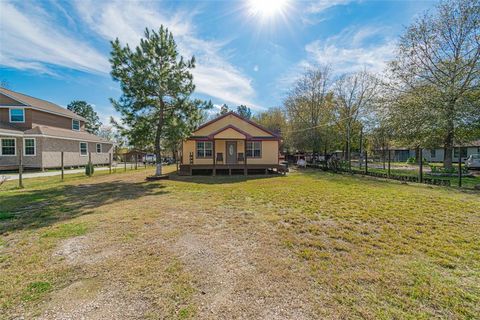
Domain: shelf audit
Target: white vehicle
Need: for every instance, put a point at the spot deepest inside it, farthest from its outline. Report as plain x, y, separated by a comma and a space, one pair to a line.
149, 158
473, 161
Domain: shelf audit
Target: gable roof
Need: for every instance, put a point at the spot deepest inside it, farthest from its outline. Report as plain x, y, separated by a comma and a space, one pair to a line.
40, 104
246, 134
241, 118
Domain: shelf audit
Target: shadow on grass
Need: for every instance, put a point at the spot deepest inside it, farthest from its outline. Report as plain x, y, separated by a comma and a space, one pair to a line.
221, 179
30, 209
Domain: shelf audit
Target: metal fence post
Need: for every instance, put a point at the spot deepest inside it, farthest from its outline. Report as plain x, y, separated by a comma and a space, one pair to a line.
366, 163
389, 160
420, 166
459, 167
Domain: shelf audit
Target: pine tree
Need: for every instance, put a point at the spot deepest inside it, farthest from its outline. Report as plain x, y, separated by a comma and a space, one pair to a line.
156, 83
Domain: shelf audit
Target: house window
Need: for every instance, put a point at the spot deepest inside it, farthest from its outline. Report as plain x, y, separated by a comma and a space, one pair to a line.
204, 149
99, 148
29, 147
8, 147
75, 125
463, 152
433, 153
17, 115
254, 149
83, 148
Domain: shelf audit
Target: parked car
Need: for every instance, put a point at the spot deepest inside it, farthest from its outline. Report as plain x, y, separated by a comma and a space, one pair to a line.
149, 158
473, 161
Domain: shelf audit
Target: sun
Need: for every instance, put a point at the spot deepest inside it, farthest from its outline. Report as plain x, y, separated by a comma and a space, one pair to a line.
267, 8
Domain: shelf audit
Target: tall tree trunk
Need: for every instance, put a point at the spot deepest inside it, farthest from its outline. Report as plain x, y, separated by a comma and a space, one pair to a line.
448, 145
158, 135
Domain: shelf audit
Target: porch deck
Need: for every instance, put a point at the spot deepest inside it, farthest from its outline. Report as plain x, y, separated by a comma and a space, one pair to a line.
189, 169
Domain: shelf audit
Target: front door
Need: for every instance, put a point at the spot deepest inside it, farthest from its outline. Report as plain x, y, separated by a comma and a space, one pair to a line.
231, 152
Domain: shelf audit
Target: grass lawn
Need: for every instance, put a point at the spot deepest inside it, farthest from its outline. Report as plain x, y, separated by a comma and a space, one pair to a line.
310, 245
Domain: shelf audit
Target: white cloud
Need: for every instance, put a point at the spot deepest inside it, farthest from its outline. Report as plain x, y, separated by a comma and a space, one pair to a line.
353, 49
30, 41
213, 75
322, 5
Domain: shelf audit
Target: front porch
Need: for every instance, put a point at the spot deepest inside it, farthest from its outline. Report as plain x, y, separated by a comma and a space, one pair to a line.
230, 169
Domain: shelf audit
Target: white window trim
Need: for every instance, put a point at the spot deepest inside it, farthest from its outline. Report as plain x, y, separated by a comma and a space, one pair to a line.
10, 115
34, 147
79, 125
80, 149
96, 147
15, 148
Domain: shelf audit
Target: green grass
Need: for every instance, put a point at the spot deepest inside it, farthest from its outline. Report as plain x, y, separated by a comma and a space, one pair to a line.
366, 248
36, 290
66, 230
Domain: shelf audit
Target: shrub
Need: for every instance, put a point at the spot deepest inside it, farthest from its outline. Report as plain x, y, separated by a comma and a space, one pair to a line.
89, 169
412, 160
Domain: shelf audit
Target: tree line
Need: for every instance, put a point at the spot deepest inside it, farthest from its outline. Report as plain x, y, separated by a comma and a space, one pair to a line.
428, 96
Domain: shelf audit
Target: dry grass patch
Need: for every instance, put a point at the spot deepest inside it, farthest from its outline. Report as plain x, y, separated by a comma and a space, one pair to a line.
304, 246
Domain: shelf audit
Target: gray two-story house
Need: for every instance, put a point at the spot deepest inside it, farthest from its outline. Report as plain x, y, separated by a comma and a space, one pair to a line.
39, 131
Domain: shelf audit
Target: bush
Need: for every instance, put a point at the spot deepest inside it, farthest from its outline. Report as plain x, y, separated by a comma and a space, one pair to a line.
89, 169
453, 170
412, 160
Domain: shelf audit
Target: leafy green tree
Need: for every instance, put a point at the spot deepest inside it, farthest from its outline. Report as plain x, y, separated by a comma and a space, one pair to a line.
156, 83
440, 54
84, 109
244, 111
224, 109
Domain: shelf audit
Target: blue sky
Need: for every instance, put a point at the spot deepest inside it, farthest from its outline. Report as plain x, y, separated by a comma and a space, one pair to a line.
58, 50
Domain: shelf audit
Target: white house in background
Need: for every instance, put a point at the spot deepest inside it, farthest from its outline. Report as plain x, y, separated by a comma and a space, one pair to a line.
437, 154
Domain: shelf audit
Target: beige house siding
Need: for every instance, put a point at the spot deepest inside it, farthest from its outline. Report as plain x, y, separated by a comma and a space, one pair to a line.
28, 161
269, 152
48, 153
5, 118
51, 153
231, 120
52, 120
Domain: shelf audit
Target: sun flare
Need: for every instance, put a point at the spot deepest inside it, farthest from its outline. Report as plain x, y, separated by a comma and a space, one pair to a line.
267, 8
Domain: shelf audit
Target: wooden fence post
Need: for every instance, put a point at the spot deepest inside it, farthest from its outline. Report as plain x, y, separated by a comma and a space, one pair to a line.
63, 165
125, 163
136, 161
110, 162
20, 167
420, 166
459, 167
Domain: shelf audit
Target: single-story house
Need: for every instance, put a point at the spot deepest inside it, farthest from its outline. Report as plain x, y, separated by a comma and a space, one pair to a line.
230, 143
38, 131
434, 154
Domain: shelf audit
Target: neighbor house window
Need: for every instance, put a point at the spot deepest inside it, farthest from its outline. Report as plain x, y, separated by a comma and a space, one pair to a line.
463, 153
17, 115
8, 147
83, 148
433, 153
99, 148
29, 147
204, 149
254, 149
76, 125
